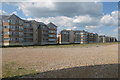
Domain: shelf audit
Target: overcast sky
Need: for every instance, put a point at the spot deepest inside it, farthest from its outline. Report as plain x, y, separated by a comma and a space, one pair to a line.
98, 17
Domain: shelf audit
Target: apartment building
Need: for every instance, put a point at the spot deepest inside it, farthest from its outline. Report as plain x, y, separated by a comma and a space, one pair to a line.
67, 36
16, 31
27, 33
42, 34
12, 27
35, 25
93, 38
103, 39
90, 38
77, 36
52, 33
84, 37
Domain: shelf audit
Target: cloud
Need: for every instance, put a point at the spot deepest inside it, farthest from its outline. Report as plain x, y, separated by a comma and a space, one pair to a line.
110, 19
53, 9
75, 22
99, 31
82, 19
3, 12
91, 28
115, 30
69, 15
86, 21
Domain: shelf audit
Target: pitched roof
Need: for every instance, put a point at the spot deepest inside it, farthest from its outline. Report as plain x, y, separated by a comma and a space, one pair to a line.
5, 17
51, 24
41, 23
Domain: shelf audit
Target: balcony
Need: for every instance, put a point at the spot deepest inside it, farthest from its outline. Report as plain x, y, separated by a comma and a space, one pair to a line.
28, 31
7, 36
28, 36
6, 39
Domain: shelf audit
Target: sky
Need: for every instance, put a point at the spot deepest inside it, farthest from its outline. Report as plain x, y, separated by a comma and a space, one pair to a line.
97, 17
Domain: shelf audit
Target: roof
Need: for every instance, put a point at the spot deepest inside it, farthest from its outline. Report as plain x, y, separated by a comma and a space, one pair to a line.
5, 17
41, 23
51, 24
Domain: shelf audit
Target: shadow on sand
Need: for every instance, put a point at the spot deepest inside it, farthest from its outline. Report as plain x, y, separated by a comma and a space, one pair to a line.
96, 71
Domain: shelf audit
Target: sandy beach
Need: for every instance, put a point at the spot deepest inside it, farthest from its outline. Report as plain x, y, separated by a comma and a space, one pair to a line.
76, 62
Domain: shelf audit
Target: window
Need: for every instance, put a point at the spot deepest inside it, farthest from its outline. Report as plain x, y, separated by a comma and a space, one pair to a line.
12, 39
17, 33
20, 34
20, 22
13, 28
52, 39
20, 39
16, 27
6, 20
51, 35
6, 33
16, 21
17, 39
6, 39
12, 21
12, 33
6, 26
51, 31
20, 28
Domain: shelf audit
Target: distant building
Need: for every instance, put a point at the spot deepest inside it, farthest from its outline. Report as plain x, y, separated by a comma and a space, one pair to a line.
82, 37
77, 36
70, 36
52, 33
67, 36
93, 38
42, 34
103, 39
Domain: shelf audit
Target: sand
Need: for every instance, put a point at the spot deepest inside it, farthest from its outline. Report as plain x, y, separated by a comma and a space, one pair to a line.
70, 62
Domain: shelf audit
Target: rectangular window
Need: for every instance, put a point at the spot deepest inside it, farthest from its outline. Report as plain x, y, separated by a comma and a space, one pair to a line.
52, 35
17, 33
6, 39
20, 28
52, 39
6, 33
17, 39
12, 33
6, 26
6, 20
16, 27
20, 34
20, 39
13, 28
12, 21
